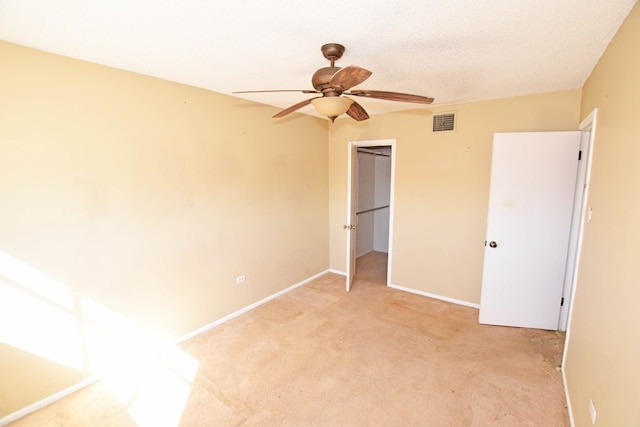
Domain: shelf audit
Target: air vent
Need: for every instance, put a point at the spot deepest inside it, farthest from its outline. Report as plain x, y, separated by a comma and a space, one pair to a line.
444, 122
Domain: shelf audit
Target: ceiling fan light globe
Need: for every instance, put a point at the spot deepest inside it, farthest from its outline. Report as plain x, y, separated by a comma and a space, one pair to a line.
332, 106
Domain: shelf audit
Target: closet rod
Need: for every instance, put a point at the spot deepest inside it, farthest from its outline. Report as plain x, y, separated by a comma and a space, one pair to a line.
375, 153
371, 210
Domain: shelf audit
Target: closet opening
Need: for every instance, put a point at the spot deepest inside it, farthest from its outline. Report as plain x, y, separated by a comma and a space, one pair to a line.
373, 213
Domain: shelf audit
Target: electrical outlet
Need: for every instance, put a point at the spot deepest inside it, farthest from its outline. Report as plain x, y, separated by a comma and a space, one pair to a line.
240, 279
592, 411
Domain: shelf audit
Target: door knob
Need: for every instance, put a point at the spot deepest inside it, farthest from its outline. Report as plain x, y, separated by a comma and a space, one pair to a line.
493, 244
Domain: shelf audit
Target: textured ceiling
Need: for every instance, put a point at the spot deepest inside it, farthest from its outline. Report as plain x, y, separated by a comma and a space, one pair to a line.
452, 50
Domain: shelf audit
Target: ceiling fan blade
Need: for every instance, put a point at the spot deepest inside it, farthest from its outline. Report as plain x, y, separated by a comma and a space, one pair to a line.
392, 96
284, 90
294, 108
348, 77
356, 112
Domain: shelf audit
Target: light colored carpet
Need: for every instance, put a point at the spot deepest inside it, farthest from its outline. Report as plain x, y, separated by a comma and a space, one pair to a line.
319, 356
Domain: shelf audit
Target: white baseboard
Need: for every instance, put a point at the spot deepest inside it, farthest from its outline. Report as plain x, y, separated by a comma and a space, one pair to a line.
46, 401
85, 383
566, 396
247, 308
384, 251
440, 297
364, 253
342, 273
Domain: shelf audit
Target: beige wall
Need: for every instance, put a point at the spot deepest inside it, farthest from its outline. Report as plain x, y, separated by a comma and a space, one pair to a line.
442, 185
603, 349
148, 198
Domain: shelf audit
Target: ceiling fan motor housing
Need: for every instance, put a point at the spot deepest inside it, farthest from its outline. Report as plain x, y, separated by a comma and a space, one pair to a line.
321, 79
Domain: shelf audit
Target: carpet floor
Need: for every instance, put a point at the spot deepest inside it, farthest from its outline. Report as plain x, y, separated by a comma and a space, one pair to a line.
318, 356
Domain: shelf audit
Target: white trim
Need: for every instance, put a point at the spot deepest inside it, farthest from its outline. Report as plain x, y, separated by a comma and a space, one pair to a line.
588, 123
572, 422
392, 187
247, 308
587, 126
352, 207
85, 383
46, 401
334, 271
438, 297
361, 255
392, 204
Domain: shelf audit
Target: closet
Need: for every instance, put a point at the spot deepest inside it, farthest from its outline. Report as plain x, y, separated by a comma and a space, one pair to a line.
374, 189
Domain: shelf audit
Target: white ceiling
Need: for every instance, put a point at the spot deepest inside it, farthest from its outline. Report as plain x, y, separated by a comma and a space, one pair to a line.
452, 50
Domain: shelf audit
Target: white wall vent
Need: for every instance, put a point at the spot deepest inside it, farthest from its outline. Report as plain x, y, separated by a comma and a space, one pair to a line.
445, 122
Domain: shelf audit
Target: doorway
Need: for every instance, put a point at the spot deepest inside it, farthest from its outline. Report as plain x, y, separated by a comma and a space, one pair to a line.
370, 211
502, 307
533, 181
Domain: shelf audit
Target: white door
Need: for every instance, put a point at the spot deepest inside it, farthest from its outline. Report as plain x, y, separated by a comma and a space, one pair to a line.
352, 202
533, 178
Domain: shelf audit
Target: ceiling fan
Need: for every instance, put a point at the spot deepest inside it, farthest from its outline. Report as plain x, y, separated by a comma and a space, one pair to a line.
333, 83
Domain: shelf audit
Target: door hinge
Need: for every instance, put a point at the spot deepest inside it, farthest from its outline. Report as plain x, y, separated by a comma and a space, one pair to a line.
580, 155
562, 302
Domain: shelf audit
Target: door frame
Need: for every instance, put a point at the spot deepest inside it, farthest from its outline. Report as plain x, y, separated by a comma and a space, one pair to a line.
588, 129
352, 186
